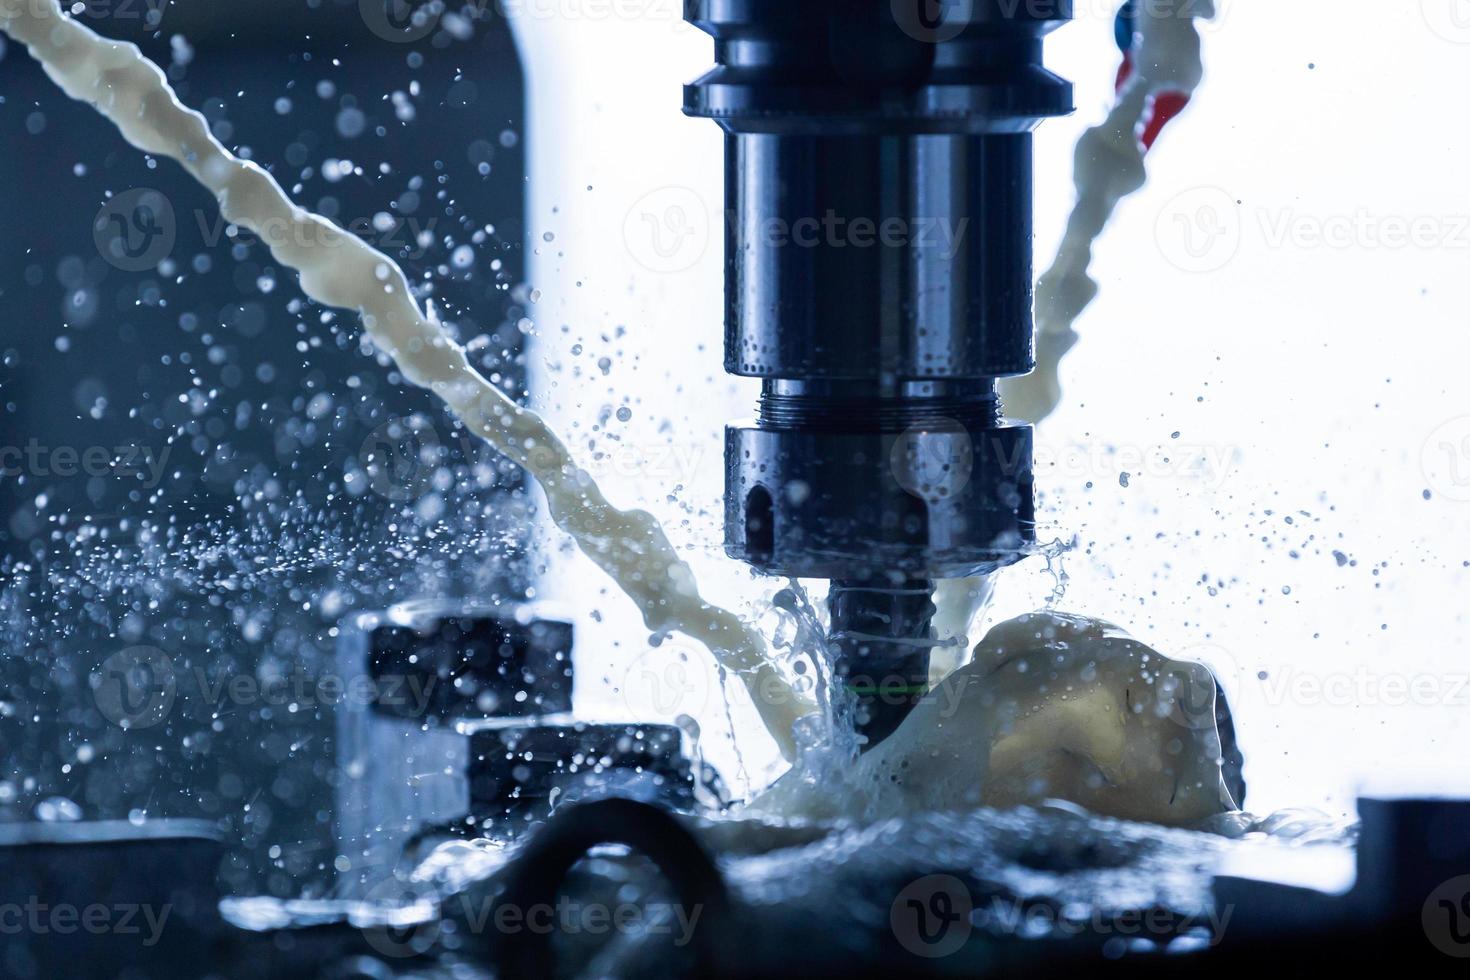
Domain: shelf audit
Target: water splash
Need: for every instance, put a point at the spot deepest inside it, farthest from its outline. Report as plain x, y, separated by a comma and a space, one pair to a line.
1055, 552
339, 269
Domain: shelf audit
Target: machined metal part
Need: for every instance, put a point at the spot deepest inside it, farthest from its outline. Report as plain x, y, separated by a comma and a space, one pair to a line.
472, 663
141, 897
519, 774
416, 677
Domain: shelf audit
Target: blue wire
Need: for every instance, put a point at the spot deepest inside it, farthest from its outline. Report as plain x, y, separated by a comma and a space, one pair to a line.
1125, 26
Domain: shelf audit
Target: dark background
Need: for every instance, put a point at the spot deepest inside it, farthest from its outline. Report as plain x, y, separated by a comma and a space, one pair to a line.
287, 477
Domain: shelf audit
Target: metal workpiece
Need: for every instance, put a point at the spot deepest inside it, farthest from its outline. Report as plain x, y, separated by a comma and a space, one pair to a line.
519, 774
433, 669
471, 663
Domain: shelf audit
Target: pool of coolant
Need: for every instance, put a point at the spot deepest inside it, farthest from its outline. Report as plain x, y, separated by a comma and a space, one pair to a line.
1046, 873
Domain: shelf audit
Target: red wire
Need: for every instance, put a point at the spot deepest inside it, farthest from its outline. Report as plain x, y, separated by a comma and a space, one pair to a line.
1125, 72
1162, 109
1166, 105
